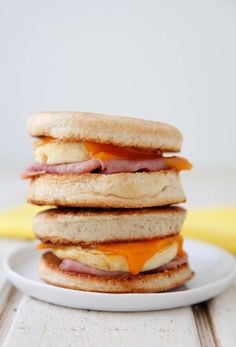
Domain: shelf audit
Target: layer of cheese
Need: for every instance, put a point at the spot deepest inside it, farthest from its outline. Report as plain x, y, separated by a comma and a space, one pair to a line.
133, 257
53, 151
109, 151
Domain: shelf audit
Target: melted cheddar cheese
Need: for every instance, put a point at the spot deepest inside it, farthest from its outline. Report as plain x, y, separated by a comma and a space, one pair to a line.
133, 257
138, 252
109, 151
54, 151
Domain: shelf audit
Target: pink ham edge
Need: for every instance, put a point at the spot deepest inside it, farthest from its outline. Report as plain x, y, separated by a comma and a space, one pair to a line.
75, 266
37, 169
116, 166
100, 166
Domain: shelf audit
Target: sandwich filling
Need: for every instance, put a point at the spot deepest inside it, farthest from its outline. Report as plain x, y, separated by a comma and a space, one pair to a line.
59, 157
121, 257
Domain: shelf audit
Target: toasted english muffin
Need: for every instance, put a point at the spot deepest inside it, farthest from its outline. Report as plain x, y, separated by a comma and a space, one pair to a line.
100, 128
124, 190
75, 226
51, 273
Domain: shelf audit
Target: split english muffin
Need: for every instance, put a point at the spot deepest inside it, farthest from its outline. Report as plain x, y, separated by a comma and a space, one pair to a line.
107, 250
83, 226
94, 160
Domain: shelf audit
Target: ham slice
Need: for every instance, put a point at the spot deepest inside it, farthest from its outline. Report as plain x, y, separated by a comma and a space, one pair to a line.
76, 266
116, 166
37, 169
173, 264
97, 165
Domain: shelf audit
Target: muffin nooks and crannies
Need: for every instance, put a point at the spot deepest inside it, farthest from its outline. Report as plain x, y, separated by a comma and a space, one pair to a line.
112, 180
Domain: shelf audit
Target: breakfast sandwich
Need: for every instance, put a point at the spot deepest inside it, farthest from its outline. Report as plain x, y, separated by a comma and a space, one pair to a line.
112, 180
100, 161
113, 251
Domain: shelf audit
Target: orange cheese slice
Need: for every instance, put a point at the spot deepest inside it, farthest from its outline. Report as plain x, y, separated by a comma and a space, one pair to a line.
109, 151
177, 163
49, 245
138, 252
43, 141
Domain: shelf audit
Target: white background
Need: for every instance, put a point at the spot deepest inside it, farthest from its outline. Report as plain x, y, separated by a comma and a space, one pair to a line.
173, 61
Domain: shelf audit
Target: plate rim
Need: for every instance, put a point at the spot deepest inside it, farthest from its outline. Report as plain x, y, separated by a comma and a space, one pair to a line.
11, 273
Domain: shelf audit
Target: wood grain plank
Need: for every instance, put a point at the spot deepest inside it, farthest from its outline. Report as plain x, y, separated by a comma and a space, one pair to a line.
9, 297
222, 313
7, 317
41, 324
206, 331
5, 287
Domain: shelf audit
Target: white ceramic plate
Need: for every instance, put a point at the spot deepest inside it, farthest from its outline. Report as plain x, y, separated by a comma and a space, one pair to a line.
214, 271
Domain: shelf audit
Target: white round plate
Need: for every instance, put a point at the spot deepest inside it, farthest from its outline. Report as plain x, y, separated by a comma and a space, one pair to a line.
214, 271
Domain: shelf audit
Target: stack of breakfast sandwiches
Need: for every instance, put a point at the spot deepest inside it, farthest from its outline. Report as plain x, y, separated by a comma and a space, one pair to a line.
114, 181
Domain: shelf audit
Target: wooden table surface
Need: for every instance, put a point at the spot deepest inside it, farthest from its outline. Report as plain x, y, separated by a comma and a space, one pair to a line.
26, 322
